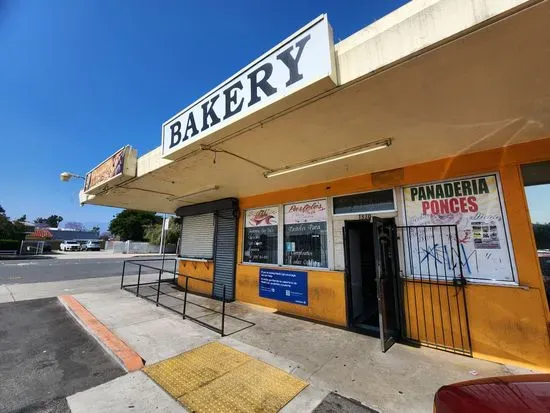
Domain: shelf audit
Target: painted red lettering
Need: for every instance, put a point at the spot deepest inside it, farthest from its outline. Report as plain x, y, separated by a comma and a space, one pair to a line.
434, 205
472, 201
425, 207
463, 206
444, 206
453, 205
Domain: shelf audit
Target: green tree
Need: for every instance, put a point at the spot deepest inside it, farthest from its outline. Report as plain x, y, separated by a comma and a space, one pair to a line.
52, 221
542, 235
153, 232
22, 218
10, 230
6, 226
95, 228
130, 224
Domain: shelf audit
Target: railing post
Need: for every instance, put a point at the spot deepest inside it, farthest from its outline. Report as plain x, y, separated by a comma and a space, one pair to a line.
223, 311
175, 269
158, 287
122, 279
185, 295
139, 278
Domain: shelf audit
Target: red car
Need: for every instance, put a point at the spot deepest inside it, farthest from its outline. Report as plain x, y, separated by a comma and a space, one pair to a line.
528, 393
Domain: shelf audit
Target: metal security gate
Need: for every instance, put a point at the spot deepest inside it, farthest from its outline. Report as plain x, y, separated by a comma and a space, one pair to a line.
225, 253
432, 288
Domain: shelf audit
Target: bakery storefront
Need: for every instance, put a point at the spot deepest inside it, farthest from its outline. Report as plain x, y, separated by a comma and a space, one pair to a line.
374, 185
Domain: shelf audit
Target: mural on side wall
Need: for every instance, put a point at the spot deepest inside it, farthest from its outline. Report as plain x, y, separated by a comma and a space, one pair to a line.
474, 205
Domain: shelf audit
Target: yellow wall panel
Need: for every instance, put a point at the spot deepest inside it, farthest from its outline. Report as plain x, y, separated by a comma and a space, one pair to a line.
507, 323
195, 269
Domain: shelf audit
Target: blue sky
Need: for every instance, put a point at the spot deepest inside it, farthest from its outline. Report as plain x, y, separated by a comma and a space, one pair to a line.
80, 79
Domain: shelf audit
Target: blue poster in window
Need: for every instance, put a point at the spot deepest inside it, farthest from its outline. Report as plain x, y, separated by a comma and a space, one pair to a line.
282, 285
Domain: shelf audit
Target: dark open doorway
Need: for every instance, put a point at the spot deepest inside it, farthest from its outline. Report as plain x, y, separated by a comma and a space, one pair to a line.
371, 271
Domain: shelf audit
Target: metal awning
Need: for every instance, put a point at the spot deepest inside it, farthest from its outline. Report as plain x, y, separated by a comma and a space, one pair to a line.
484, 89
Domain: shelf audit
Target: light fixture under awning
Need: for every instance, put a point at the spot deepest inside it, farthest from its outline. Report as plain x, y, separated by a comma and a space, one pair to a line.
358, 150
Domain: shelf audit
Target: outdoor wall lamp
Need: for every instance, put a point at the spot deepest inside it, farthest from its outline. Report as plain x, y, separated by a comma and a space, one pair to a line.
67, 176
358, 150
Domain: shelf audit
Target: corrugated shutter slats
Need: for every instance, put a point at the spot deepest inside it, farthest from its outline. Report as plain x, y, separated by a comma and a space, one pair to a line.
226, 246
197, 240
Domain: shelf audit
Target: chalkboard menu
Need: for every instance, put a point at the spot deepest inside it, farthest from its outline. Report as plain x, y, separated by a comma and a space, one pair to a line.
305, 234
260, 235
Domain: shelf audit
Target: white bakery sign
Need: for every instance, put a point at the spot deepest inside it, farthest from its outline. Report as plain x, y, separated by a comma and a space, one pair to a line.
303, 59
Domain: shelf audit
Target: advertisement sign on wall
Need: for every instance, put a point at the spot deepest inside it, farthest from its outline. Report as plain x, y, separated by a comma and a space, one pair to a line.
305, 58
115, 169
475, 206
282, 285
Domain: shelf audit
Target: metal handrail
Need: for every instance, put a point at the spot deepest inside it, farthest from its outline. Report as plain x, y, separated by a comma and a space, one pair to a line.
175, 273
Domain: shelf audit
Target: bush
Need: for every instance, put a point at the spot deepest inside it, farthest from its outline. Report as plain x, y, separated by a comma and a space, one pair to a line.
9, 245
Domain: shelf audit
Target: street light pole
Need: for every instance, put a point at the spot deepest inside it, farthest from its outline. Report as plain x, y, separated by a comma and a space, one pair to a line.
67, 176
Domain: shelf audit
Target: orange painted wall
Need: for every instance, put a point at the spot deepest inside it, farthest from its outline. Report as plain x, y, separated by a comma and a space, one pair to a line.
201, 270
507, 324
326, 295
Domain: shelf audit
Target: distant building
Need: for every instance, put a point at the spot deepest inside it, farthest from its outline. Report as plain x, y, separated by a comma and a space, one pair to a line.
64, 234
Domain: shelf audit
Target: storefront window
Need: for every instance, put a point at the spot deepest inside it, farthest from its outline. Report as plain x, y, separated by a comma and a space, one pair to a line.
376, 201
260, 235
305, 234
536, 178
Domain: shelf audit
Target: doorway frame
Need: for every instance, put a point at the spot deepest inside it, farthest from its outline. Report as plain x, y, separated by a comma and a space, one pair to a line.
398, 308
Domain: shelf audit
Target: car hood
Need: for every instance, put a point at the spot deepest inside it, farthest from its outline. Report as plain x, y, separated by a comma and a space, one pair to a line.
507, 394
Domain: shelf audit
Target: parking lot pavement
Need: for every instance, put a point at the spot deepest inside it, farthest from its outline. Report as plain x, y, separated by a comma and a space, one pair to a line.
46, 356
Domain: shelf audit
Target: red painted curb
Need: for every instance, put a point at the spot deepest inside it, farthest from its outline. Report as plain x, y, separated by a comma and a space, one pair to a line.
128, 357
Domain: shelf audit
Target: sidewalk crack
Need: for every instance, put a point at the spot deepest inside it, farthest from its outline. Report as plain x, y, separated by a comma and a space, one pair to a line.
320, 367
12, 296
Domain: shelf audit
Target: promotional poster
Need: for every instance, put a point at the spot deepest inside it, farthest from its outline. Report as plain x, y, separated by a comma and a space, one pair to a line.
474, 205
260, 235
306, 234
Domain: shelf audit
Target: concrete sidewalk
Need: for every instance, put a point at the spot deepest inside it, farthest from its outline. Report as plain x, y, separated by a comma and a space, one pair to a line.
330, 359
72, 255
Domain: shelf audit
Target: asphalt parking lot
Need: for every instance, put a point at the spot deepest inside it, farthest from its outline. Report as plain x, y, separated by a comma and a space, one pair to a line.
45, 356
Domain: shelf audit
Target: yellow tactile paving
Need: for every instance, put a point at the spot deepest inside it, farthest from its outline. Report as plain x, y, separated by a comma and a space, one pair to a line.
217, 378
191, 370
250, 388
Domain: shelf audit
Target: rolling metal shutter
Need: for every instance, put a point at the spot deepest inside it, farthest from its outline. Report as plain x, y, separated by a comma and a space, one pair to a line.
225, 254
197, 239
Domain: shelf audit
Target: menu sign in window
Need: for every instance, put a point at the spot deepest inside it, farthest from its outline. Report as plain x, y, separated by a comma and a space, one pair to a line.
305, 234
260, 235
